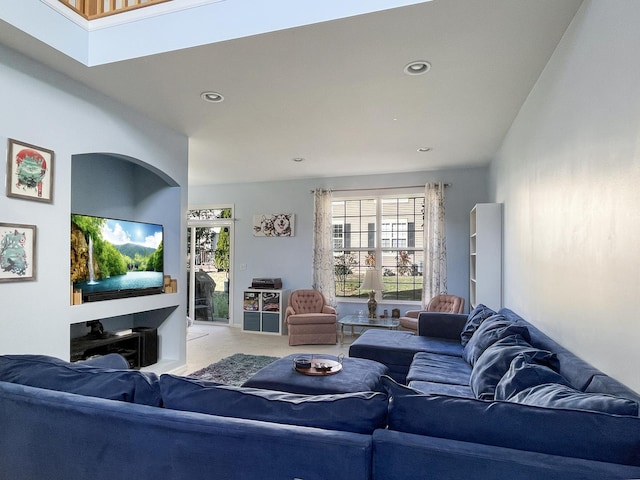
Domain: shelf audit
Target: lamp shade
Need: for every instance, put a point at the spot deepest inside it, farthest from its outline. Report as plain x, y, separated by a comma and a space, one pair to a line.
372, 281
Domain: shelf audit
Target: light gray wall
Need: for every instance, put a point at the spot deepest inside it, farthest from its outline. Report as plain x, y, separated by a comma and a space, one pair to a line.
47, 109
568, 174
199, 23
291, 258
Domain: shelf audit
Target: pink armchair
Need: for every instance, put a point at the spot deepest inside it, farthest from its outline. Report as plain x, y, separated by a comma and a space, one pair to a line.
310, 320
440, 303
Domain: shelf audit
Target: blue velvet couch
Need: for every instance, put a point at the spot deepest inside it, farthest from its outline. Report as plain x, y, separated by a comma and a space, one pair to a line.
62, 421
487, 395
440, 418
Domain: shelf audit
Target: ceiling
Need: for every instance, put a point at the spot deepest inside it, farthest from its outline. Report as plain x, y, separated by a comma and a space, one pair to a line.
335, 93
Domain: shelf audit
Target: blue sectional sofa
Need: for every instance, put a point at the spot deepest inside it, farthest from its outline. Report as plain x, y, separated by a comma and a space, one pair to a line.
487, 395
439, 417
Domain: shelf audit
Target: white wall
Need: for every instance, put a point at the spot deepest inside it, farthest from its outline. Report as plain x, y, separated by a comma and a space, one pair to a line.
291, 258
569, 175
42, 107
141, 32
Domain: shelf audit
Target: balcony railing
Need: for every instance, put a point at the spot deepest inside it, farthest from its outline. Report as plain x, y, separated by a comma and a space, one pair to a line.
92, 9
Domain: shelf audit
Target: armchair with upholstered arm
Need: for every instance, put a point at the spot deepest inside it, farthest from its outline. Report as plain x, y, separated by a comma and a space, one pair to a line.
442, 303
310, 320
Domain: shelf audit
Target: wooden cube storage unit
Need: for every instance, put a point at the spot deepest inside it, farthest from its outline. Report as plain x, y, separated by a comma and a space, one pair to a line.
263, 311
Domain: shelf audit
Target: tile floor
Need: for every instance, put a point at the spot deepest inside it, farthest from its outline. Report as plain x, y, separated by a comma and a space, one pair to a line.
207, 344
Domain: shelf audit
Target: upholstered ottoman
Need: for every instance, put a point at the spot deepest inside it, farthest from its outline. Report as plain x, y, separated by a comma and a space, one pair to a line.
357, 375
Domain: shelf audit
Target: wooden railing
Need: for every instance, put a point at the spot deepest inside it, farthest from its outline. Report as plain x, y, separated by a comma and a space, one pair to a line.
92, 9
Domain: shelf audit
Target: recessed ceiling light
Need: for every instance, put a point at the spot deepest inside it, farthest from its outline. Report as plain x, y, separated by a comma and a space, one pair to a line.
298, 159
424, 149
418, 67
213, 97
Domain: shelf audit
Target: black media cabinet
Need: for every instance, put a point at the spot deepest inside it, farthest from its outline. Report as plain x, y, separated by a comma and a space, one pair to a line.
139, 346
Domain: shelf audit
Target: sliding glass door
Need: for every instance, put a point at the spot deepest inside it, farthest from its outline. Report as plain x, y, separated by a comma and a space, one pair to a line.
209, 241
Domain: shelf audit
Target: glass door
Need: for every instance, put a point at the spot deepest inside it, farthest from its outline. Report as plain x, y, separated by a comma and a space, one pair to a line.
209, 240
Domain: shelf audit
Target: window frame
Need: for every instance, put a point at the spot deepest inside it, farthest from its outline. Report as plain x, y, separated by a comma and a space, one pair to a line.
407, 234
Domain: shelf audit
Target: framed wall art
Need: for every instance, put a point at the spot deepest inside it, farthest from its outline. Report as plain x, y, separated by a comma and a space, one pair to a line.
29, 172
273, 225
17, 252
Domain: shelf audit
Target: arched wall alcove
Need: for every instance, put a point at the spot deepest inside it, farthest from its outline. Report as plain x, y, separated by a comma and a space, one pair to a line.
121, 187
109, 181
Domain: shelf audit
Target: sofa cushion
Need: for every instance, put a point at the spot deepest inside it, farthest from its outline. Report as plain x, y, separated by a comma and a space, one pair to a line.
311, 318
490, 331
401, 455
496, 360
435, 388
396, 349
359, 412
432, 367
573, 433
43, 371
476, 317
554, 395
522, 374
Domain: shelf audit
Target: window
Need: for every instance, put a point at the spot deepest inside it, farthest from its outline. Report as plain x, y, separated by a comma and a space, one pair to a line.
338, 237
394, 234
382, 232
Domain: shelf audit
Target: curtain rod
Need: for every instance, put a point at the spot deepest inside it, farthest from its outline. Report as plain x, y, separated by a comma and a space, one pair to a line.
380, 188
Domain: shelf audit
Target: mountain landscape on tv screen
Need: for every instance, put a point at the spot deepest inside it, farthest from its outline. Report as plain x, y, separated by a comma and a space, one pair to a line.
110, 256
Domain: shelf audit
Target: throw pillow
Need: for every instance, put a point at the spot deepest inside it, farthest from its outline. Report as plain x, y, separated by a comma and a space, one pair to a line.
490, 331
359, 412
475, 318
52, 373
496, 359
522, 374
553, 395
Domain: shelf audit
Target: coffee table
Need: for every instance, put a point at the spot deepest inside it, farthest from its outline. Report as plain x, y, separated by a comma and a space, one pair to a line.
360, 321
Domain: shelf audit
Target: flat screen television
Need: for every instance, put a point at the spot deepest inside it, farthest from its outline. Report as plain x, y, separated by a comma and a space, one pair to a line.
113, 258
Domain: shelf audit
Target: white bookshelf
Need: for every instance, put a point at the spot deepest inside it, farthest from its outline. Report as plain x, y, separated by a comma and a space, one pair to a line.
485, 255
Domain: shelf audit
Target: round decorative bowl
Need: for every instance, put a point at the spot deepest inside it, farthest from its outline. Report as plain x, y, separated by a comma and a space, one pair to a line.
302, 362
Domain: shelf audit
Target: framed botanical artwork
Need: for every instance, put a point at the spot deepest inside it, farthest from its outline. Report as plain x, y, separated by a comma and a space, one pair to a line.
29, 172
273, 225
17, 252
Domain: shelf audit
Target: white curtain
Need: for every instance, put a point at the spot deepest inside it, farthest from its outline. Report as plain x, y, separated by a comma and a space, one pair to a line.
323, 263
435, 243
